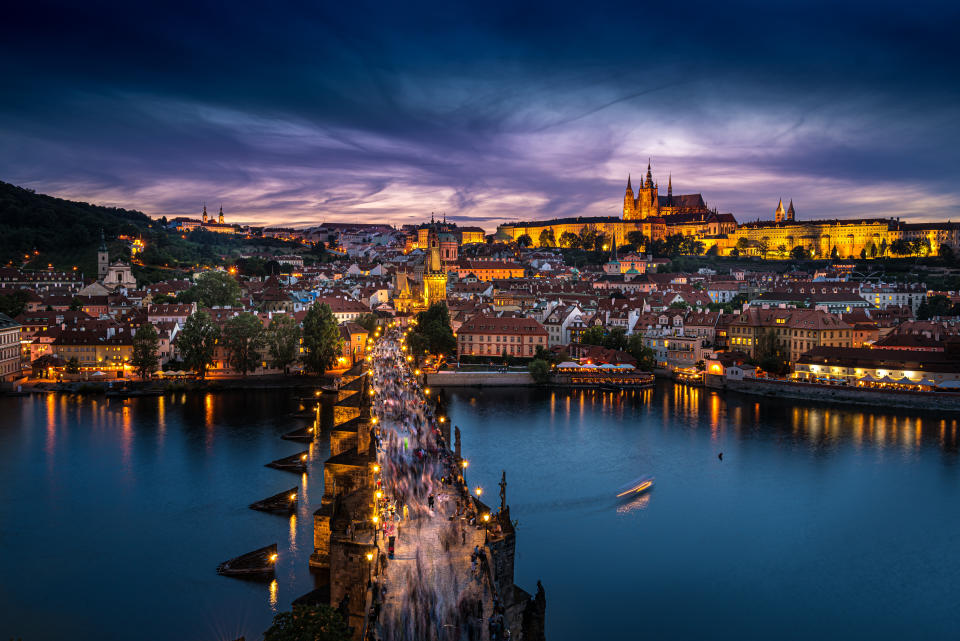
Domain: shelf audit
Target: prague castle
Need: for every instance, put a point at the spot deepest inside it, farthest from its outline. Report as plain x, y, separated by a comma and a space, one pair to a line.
657, 217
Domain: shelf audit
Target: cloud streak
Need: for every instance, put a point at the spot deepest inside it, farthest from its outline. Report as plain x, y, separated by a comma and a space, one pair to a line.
486, 113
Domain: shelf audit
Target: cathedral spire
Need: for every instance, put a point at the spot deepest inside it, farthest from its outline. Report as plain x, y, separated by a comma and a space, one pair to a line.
670, 185
649, 182
204, 213
791, 213
220, 217
629, 186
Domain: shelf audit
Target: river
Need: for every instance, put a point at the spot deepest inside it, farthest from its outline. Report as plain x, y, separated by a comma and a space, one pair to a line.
819, 521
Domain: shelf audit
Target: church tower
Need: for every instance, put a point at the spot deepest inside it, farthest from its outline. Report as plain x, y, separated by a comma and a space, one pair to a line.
648, 203
628, 201
220, 219
779, 213
434, 277
103, 258
791, 214
204, 213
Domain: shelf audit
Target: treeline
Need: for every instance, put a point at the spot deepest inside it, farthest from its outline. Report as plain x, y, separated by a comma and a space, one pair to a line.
31, 221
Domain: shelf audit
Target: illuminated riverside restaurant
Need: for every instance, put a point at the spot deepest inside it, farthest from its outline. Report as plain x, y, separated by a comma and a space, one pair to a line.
606, 375
881, 368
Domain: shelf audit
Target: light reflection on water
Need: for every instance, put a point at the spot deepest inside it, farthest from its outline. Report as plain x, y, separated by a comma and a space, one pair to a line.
804, 491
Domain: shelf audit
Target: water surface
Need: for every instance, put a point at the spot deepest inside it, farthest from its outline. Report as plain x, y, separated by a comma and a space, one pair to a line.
820, 522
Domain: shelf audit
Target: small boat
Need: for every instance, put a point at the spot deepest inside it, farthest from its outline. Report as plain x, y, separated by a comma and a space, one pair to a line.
282, 503
256, 564
639, 486
293, 463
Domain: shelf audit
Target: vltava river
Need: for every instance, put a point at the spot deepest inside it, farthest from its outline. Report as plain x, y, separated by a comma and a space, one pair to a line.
819, 522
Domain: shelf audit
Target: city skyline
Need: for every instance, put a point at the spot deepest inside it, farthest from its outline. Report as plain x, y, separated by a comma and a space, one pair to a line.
371, 114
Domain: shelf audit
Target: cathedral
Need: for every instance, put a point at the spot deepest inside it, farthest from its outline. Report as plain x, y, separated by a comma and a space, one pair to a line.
648, 203
433, 287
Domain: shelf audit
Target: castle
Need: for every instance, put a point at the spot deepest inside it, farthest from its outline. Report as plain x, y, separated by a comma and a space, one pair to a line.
657, 217
649, 204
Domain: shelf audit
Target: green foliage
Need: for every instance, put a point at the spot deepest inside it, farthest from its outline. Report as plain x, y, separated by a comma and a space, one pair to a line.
770, 356
72, 366
432, 333
547, 238
540, 370
616, 338
146, 345
14, 304
799, 253
676, 245
214, 289
589, 237
646, 359
524, 240
637, 240
593, 335
283, 341
368, 321
834, 254
76, 305
53, 226
569, 240
321, 338
308, 623
938, 305
243, 338
197, 341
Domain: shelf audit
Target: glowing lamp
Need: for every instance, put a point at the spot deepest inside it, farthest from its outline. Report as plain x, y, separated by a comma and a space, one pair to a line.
369, 556
376, 519
376, 468
427, 391
486, 518
443, 419
303, 457
273, 558
479, 491
293, 496
379, 494
465, 464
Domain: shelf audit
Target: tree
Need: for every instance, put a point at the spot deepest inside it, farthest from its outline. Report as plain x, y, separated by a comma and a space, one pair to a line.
588, 238
763, 246
646, 359
283, 341
216, 289
197, 342
539, 371
433, 333
743, 244
368, 321
321, 338
834, 254
547, 238
308, 623
76, 304
72, 366
883, 247
524, 240
243, 339
938, 305
872, 249
569, 240
15, 303
782, 251
799, 253
770, 356
637, 239
593, 336
146, 344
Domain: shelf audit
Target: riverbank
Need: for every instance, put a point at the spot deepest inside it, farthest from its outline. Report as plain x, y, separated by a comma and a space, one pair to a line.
940, 401
154, 388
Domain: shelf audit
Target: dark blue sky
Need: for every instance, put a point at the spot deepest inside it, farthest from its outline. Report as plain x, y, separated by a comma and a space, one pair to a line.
304, 112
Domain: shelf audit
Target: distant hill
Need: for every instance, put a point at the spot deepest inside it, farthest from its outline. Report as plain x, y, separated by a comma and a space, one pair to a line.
58, 227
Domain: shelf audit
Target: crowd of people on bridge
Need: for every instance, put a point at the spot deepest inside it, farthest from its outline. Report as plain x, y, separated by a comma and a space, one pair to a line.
421, 494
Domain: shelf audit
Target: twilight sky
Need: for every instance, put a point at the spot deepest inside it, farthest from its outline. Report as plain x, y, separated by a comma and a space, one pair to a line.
300, 112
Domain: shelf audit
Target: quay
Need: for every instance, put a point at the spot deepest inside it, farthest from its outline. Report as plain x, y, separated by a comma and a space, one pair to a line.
406, 550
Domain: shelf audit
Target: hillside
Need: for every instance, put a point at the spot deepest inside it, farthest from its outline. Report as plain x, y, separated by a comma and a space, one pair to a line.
54, 226
66, 234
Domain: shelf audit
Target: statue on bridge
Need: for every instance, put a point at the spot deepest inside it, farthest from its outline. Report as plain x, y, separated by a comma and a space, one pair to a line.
503, 491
